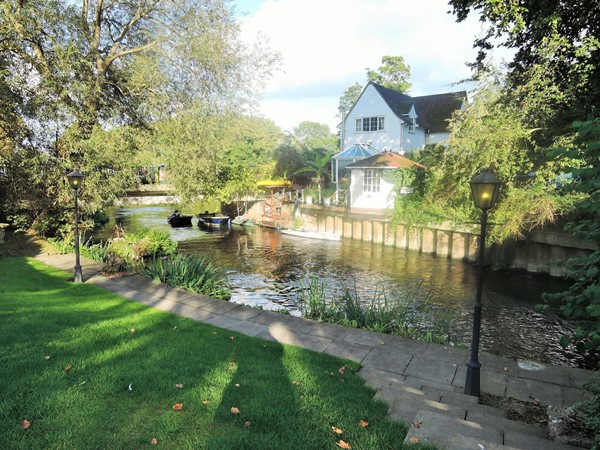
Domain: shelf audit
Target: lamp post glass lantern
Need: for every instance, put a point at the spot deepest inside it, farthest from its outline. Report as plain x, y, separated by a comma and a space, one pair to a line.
485, 188
75, 180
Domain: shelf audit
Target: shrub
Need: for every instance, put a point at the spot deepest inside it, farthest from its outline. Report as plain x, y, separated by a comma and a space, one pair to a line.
143, 244
193, 273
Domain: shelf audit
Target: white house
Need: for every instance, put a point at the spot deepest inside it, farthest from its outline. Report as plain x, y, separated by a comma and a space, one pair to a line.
370, 189
389, 120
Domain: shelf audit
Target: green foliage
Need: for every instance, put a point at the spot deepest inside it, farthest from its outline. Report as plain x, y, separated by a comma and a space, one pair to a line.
144, 244
349, 98
193, 273
392, 74
380, 313
582, 300
591, 407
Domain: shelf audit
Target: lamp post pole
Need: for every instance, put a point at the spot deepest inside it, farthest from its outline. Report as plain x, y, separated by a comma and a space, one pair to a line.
75, 179
78, 275
472, 382
485, 188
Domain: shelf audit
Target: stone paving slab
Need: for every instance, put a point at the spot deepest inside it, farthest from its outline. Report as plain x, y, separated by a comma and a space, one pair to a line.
380, 358
348, 350
431, 370
491, 382
438, 428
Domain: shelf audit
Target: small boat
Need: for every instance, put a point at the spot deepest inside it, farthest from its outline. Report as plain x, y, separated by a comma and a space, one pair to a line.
241, 221
212, 220
312, 234
179, 220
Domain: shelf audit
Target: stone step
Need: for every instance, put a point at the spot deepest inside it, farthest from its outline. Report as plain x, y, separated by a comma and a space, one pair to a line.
405, 405
448, 433
506, 424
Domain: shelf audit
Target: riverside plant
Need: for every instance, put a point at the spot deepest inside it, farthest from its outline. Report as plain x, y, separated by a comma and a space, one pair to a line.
382, 313
193, 273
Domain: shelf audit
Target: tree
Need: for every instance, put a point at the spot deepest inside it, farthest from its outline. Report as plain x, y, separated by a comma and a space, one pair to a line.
349, 98
315, 137
320, 168
393, 74
97, 65
582, 300
531, 27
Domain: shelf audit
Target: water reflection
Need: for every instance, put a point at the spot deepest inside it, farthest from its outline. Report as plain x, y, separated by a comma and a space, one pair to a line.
266, 269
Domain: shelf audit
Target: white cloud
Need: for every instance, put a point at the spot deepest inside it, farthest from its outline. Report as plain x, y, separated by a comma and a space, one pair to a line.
330, 43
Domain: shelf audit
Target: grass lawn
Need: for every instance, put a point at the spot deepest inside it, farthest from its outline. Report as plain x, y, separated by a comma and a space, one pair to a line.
89, 369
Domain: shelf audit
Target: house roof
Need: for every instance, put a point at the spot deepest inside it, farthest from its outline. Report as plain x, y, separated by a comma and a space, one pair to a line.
385, 160
433, 111
357, 151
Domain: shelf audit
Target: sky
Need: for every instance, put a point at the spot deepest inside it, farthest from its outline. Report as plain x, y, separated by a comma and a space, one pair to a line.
327, 45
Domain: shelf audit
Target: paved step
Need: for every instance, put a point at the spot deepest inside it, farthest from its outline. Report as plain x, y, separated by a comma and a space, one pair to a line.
449, 433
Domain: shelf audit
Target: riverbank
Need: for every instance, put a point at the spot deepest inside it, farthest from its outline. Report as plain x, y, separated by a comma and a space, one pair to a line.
422, 382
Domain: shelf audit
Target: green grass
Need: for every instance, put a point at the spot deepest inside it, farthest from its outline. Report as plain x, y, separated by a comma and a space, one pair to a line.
290, 396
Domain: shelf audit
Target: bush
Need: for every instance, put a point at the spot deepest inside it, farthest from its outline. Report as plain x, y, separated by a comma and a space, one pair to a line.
592, 407
193, 273
143, 244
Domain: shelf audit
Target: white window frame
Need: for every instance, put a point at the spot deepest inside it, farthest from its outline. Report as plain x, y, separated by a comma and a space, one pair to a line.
370, 124
372, 180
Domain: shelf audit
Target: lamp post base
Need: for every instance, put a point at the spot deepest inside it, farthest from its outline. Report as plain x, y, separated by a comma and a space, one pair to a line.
78, 274
472, 380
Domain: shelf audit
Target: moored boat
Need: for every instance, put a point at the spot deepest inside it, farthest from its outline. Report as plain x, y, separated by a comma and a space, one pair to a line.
179, 220
241, 221
312, 234
212, 220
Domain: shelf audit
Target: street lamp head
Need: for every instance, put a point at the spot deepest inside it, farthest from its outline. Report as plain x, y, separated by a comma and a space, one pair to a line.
485, 188
75, 179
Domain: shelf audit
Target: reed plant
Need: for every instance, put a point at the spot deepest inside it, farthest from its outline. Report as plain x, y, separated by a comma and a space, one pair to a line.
397, 313
190, 272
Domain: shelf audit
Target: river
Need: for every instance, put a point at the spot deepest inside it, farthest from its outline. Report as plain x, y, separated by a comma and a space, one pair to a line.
267, 269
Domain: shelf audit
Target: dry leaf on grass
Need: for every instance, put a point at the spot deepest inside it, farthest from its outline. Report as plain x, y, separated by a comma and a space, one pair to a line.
132, 330
235, 410
68, 368
343, 444
179, 385
237, 385
177, 406
336, 430
154, 441
206, 402
414, 440
363, 423
342, 370
231, 338
25, 424
341, 380
247, 424
47, 357
232, 363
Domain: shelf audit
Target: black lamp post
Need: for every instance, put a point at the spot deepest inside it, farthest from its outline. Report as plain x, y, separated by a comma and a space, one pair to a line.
485, 188
75, 180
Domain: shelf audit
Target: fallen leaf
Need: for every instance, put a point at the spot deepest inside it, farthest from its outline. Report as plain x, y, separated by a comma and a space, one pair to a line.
506, 369
382, 342
177, 406
179, 385
343, 444
534, 400
47, 357
342, 370
341, 380
25, 424
237, 385
206, 402
247, 424
174, 328
231, 338
154, 441
414, 440
68, 368
132, 330
363, 423
214, 333
232, 363
302, 397
417, 423
336, 430
129, 388
295, 382
235, 410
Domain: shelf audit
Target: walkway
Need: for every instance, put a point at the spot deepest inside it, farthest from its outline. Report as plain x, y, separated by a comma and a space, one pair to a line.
422, 382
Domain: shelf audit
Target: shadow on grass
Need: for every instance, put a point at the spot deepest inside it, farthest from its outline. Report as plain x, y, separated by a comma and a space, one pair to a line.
20, 244
90, 369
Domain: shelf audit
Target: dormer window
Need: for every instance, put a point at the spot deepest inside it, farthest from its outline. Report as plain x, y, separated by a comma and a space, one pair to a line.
376, 123
411, 124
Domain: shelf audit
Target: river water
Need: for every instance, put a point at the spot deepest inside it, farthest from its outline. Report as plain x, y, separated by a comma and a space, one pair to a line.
267, 269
